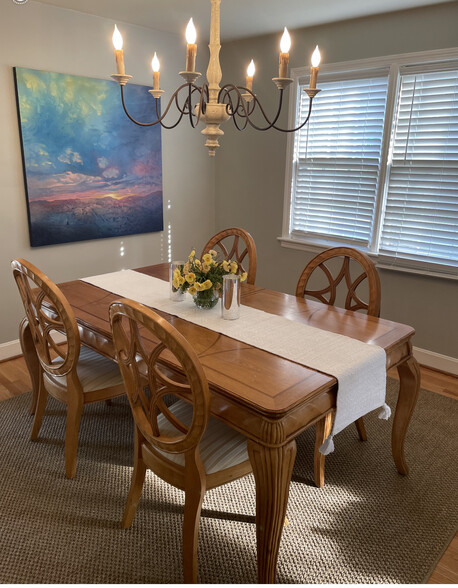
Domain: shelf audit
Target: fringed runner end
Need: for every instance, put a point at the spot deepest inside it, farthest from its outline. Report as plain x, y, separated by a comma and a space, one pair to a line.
327, 447
385, 413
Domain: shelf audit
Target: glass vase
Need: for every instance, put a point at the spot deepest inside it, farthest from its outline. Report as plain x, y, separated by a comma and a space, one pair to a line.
175, 293
206, 299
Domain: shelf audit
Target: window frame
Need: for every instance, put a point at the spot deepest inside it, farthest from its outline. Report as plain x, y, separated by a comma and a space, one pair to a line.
395, 66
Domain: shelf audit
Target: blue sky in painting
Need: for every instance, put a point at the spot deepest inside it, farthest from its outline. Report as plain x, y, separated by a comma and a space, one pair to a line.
79, 143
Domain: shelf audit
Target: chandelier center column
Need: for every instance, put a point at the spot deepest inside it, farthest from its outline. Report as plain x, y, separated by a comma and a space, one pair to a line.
214, 73
215, 113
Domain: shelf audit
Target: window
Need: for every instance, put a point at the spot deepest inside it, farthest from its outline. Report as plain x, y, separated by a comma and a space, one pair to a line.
377, 165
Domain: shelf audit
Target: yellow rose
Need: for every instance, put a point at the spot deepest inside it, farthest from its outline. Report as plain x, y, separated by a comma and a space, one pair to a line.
176, 273
181, 280
234, 267
243, 277
207, 285
198, 287
176, 283
197, 262
190, 278
186, 267
191, 255
205, 267
225, 266
213, 253
207, 258
192, 290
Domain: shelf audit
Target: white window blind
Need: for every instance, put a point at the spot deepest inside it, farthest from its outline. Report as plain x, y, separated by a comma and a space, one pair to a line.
337, 160
421, 211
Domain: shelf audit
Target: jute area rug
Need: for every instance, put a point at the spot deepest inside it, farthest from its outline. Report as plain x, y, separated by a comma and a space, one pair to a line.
367, 525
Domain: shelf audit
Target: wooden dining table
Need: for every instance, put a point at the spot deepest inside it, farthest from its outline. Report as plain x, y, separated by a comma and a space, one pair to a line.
268, 398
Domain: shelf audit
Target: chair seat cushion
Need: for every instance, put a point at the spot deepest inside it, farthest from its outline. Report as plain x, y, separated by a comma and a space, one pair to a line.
94, 371
221, 447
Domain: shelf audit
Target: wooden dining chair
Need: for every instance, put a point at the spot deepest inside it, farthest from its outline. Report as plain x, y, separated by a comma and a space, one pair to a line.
67, 371
238, 245
327, 292
174, 435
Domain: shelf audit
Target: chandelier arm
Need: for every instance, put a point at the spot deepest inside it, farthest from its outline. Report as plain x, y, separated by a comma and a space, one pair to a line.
301, 125
202, 103
174, 98
182, 111
189, 103
168, 127
133, 119
240, 100
227, 99
228, 88
187, 106
230, 110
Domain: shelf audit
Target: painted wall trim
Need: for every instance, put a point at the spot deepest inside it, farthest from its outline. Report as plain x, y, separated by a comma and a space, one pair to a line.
12, 349
442, 363
427, 358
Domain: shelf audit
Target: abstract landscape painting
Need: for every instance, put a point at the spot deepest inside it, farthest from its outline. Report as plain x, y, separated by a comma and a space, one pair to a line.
89, 171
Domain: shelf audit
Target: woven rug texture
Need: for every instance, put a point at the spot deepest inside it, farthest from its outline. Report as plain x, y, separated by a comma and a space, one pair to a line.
367, 525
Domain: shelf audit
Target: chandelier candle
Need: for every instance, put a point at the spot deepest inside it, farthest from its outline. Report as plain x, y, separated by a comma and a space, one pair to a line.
119, 56
191, 49
316, 58
285, 46
155, 66
249, 75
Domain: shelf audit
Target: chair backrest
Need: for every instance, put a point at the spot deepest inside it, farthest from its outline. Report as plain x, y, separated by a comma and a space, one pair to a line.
147, 347
238, 245
49, 316
328, 293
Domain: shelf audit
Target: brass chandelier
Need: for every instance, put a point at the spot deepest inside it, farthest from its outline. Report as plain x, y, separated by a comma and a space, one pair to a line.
209, 103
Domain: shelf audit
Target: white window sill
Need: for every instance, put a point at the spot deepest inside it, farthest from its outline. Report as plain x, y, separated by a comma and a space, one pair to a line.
317, 245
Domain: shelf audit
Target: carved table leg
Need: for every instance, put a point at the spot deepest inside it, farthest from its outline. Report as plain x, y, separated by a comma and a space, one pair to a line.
272, 468
31, 360
409, 376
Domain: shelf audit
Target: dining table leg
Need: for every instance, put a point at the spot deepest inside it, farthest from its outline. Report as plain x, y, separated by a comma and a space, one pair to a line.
31, 360
272, 469
409, 385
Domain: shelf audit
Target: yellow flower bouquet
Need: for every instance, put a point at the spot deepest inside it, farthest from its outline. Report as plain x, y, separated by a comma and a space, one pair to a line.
203, 279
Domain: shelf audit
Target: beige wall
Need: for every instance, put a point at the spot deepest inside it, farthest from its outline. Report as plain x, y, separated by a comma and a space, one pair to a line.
39, 36
250, 168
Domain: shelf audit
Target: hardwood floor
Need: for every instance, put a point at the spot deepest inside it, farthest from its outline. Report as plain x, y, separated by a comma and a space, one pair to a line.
14, 379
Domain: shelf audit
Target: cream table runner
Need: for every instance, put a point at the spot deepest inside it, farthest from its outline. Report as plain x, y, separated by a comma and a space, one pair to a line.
359, 368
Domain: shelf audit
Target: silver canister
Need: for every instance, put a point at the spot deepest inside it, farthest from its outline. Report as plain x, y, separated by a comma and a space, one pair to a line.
231, 297
175, 293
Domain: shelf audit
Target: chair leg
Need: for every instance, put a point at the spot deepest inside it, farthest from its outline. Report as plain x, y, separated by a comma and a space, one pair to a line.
136, 485
361, 429
194, 495
74, 412
31, 360
322, 431
39, 409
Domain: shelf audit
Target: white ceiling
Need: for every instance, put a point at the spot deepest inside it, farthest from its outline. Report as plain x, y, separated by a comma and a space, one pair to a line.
239, 18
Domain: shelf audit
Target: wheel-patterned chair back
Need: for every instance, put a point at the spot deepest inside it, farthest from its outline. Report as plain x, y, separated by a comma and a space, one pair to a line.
49, 316
238, 245
328, 293
147, 347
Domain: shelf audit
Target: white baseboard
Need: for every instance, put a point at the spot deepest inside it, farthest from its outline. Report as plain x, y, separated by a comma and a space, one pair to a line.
436, 361
13, 348
10, 349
